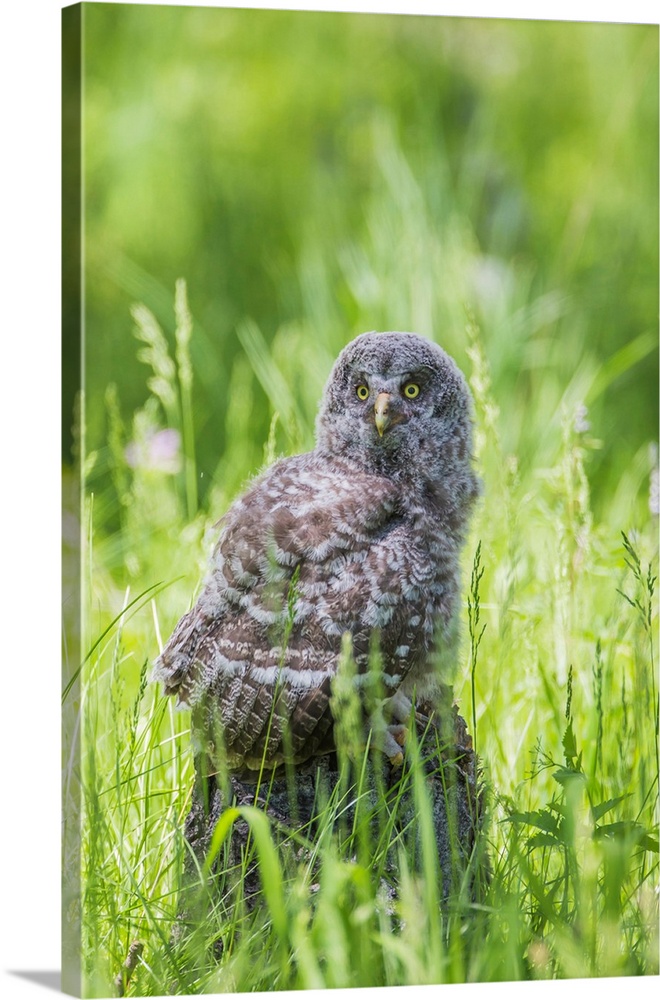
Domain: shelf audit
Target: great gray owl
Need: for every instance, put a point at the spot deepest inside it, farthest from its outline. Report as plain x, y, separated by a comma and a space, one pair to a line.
362, 536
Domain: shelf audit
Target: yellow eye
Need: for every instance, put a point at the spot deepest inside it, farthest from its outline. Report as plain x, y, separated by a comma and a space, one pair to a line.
411, 389
362, 392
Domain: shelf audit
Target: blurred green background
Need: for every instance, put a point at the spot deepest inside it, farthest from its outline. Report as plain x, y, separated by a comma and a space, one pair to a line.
323, 174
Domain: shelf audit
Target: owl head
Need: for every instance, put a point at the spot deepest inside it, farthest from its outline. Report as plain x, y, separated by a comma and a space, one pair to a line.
397, 404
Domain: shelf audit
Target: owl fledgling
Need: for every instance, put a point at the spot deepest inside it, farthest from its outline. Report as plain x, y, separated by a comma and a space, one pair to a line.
362, 535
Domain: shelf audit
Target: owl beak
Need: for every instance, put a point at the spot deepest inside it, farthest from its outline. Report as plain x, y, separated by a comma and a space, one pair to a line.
382, 412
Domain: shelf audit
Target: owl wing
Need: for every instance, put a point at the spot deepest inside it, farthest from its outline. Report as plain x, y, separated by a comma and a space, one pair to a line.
301, 559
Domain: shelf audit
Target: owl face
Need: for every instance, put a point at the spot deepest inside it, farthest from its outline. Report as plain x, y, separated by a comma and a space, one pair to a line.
397, 404
384, 400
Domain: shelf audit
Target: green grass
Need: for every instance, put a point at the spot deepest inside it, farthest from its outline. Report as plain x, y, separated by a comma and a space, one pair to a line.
557, 679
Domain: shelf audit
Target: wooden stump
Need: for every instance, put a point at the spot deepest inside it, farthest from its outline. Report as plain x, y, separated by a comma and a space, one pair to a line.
450, 776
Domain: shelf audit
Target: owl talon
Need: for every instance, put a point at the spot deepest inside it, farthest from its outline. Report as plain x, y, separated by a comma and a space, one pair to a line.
399, 734
399, 707
390, 742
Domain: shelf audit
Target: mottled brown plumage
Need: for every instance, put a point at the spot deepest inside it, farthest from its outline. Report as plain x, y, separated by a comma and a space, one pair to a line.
360, 536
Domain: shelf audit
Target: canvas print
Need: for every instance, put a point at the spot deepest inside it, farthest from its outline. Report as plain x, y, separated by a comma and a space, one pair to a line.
360, 500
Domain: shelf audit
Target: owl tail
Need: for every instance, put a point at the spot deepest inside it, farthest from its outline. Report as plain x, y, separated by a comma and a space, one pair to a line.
174, 665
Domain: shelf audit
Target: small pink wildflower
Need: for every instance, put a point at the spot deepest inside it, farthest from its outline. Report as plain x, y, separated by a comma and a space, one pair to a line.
580, 423
160, 451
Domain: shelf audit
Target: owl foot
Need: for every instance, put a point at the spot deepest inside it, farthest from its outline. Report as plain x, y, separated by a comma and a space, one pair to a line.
399, 707
391, 743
